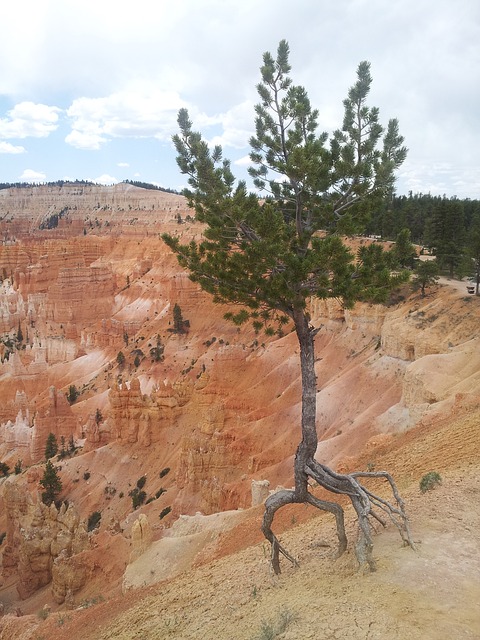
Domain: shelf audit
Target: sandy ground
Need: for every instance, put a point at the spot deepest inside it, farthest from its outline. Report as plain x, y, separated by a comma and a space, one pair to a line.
432, 593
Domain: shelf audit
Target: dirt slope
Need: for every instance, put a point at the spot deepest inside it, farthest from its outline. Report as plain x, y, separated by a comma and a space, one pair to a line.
430, 594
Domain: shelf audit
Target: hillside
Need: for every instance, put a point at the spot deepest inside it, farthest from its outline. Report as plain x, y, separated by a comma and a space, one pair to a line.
203, 414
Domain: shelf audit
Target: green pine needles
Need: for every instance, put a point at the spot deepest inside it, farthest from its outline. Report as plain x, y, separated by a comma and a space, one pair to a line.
268, 257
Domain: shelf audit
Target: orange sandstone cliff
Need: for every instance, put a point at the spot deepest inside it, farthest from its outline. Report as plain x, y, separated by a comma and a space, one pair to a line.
88, 354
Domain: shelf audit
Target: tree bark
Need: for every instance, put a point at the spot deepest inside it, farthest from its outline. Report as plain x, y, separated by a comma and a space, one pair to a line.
306, 467
308, 445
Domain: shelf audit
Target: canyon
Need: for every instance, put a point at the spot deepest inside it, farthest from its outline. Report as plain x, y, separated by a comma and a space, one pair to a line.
203, 423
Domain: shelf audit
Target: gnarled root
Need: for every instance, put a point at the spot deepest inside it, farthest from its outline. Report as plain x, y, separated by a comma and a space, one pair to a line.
363, 502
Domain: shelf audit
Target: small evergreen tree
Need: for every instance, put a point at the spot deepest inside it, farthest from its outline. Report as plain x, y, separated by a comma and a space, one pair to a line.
404, 251
51, 446
94, 520
19, 333
18, 467
72, 394
4, 469
426, 275
473, 251
120, 359
178, 321
51, 483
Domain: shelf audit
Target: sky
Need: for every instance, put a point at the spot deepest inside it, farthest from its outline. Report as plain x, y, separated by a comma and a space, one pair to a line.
90, 90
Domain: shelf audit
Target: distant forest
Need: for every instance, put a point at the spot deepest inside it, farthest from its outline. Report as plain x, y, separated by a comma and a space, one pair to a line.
63, 183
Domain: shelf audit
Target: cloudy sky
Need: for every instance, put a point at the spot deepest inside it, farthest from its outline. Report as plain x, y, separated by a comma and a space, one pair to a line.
90, 89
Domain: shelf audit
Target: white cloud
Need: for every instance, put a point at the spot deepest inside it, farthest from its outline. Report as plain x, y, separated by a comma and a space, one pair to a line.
29, 175
237, 126
106, 179
123, 164
129, 113
141, 65
28, 119
244, 161
6, 147
85, 140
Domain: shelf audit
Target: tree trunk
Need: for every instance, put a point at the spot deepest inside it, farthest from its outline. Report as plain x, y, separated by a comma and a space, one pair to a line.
306, 466
308, 445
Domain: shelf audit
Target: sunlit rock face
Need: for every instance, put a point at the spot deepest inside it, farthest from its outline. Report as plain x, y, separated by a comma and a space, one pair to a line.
40, 538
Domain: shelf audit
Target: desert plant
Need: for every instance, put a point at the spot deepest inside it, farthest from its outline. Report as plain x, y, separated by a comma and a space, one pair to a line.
4, 469
18, 467
164, 472
72, 394
141, 482
138, 497
94, 520
429, 481
273, 629
164, 512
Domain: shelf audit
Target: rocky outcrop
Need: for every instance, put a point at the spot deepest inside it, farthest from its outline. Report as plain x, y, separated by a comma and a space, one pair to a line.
28, 433
139, 418
142, 536
39, 537
210, 459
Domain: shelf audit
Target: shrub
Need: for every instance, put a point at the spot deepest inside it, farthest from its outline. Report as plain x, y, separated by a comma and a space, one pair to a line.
18, 467
138, 497
86, 475
72, 394
4, 469
164, 472
159, 492
164, 512
94, 520
429, 481
141, 482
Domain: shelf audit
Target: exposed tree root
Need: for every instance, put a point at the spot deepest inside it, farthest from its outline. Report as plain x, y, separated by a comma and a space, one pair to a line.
363, 501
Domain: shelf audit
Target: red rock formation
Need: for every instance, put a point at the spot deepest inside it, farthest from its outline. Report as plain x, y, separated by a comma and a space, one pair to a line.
39, 537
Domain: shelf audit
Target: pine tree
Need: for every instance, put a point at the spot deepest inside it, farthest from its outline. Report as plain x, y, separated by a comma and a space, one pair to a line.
426, 275
51, 446
51, 483
271, 256
178, 321
449, 236
19, 333
404, 251
473, 251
